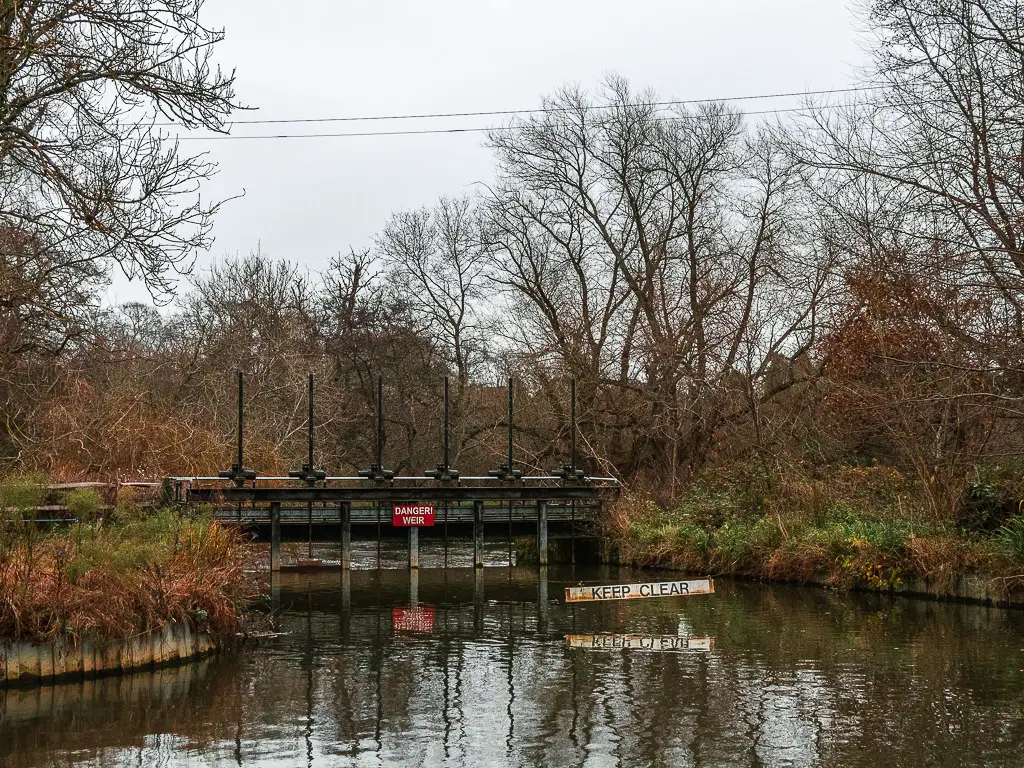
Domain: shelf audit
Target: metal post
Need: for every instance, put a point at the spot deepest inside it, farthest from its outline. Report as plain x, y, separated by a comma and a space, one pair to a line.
572, 466
380, 422
414, 547
346, 535
478, 534
445, 467
446, 422
572, 426
309, 456
241, 408
510, 413
542, 533
309, 421
275, 536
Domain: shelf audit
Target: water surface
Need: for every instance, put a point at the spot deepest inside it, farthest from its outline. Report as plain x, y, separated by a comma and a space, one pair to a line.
456, 667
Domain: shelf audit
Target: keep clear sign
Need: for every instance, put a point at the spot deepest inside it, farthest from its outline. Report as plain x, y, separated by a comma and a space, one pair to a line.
610, 642
630, 591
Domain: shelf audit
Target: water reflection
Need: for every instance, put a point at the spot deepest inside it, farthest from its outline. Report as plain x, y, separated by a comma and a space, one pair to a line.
456, 667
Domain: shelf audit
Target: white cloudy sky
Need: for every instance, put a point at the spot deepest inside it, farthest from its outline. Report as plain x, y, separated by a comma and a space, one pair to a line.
307, 199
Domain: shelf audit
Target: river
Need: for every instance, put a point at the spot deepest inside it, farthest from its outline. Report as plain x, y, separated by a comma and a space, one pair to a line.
456, 667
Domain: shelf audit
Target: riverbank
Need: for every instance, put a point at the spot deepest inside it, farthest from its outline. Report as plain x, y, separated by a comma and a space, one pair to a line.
25, 664
847, 537
126, 590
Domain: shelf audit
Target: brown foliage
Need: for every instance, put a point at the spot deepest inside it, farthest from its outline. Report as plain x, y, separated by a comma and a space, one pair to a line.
194, 578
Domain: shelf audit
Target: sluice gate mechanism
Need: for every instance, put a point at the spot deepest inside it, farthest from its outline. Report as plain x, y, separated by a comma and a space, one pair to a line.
378, 497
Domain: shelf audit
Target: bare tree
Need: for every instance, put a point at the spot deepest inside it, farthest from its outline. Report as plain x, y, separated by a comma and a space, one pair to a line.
86, 168
646, 254
435, 263
942, 132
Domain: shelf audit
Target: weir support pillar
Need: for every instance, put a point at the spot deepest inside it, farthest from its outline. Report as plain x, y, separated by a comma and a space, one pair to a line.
346, 535
542, 533
414, 547
275, 537
478, 534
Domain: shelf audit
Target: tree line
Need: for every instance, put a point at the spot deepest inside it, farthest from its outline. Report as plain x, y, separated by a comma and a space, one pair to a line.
842, 285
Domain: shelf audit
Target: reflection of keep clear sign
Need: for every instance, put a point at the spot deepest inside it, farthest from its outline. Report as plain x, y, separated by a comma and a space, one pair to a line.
413, 516
610, 642
629, 591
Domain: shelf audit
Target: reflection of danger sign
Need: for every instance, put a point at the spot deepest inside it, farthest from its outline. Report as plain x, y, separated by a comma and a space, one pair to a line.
408, 517
628, 591
415, 618
609, 642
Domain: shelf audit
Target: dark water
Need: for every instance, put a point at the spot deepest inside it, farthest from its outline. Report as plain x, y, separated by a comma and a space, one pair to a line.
795, 677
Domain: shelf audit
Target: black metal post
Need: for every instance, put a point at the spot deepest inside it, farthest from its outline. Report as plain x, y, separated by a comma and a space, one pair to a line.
446, 465
380, 448
572, 462
309, 456
572, 428
445, 468
241, 408
309, 421
510, 416
380, 422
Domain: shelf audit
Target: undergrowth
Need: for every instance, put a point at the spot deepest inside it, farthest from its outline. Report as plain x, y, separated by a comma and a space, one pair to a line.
856, 526
118, 576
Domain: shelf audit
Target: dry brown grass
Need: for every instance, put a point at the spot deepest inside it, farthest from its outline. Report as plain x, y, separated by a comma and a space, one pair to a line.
123, 580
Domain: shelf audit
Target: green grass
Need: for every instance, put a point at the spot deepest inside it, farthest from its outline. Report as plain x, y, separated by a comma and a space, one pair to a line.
1010, 539
114, 577
858, 525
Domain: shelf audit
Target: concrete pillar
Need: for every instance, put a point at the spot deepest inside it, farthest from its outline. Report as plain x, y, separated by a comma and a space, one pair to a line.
346, 535
478, 600
346, 593
275, 595
478, 534
542, 533
414, 586
414, 547
542, 598
275, 536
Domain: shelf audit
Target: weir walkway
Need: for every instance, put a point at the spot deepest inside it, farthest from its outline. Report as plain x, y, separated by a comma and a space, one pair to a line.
376, 496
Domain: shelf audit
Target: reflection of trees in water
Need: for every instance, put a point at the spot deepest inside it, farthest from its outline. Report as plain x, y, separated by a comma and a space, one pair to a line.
797, 677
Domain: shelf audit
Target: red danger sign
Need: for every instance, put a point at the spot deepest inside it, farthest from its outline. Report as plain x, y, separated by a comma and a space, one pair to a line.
409, 517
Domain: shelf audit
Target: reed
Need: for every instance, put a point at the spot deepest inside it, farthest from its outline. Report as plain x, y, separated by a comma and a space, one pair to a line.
111, 579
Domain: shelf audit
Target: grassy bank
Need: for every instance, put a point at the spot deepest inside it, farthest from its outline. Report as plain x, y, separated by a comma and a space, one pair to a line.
115, 575
849, 527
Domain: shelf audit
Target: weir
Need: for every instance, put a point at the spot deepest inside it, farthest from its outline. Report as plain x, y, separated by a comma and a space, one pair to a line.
313, 498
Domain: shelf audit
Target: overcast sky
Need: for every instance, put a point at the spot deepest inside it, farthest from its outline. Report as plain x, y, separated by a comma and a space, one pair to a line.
307, 199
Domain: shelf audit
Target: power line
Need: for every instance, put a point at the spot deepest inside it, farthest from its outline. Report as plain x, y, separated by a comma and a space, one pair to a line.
428, 131
500, 112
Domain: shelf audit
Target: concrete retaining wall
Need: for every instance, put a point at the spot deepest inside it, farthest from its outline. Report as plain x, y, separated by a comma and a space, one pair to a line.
23, 663
967, 589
